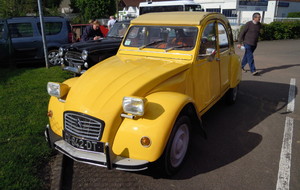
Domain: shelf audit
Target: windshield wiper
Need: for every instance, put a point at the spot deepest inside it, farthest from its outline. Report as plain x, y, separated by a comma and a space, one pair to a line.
151, 43
180, 46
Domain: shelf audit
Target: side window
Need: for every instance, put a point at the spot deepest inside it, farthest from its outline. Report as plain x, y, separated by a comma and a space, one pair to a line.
51, 28
20, 30
223, 38
208, 40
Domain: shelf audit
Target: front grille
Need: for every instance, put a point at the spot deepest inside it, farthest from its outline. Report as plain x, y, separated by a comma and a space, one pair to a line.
83, 125
74, 58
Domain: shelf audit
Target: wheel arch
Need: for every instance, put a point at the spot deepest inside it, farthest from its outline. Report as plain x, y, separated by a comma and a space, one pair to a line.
161, 113
196, 122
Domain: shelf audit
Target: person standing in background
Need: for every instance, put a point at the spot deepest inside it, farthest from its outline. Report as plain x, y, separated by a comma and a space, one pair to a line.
249, 38
111, 22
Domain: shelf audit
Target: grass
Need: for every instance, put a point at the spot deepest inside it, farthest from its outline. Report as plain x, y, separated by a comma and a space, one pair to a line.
23, 107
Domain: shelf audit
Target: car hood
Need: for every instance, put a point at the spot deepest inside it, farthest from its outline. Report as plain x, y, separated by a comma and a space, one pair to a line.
100, 90
95, 45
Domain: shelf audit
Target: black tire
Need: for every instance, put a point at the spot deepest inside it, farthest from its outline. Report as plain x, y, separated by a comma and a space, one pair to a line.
231, 95
177, 146
53, 58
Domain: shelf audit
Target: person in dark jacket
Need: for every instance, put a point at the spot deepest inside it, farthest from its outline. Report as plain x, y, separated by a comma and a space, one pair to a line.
249, 38
92, 32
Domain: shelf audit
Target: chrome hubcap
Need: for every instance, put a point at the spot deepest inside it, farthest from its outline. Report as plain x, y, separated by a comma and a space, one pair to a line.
179, 145
53, 58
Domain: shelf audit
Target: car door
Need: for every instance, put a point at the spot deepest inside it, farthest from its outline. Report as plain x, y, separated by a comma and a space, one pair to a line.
5, 42
206, 70
24, 38
224, 53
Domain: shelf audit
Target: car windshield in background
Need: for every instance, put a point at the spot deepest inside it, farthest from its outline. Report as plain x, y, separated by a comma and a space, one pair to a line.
118, 30
162, 37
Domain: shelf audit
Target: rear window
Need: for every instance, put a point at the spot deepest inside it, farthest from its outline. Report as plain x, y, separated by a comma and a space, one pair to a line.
51, 28
20, 30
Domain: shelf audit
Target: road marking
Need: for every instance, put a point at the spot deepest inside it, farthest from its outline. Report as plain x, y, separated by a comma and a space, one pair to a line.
291, 100
283, 181
285, 156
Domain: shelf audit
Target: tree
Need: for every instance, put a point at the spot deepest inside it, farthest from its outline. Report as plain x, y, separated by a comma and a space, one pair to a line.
17, 7
91, 9
11, 8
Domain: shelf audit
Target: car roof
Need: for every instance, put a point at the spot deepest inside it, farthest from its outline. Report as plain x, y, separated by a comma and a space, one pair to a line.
175, 18
35, 18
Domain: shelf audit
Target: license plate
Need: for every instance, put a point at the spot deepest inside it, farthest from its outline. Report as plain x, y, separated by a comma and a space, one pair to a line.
83, 144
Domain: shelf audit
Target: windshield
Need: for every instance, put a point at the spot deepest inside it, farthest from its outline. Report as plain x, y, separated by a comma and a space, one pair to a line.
118, 30
162, 37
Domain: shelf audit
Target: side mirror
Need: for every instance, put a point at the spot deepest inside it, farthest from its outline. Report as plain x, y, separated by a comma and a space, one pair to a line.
209, 52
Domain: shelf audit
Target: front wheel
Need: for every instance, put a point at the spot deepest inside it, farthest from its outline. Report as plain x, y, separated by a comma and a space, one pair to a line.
53, 57
177, 146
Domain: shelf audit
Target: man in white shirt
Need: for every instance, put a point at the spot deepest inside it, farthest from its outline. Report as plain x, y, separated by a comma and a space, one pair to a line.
111, 22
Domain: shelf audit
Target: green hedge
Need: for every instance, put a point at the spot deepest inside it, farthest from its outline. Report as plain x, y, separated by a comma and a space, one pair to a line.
280, 30
294, 15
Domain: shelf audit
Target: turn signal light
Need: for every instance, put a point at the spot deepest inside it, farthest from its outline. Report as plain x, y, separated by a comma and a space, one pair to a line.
50, 113
146, 142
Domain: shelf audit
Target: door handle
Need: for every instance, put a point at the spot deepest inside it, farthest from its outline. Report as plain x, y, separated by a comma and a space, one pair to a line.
218, 59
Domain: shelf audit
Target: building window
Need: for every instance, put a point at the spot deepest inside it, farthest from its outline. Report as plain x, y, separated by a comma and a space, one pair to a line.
229, 12
214, 10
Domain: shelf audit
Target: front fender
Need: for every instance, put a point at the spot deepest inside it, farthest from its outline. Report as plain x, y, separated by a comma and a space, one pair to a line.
57, 109
161, 113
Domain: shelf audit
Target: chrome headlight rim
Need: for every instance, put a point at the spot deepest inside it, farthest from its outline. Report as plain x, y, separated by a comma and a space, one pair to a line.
61, 52
84, 54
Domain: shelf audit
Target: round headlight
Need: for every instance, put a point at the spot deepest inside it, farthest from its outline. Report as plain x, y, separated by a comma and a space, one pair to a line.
84, 55
60, 52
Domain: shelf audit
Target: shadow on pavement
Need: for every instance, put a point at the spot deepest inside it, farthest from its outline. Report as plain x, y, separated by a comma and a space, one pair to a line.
228, 127
263, 71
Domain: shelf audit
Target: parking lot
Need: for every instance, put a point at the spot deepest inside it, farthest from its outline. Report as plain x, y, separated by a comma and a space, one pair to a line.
253, 144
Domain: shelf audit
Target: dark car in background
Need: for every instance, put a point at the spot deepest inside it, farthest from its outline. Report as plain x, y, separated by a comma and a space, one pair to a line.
26, 37
5, 42
78, 57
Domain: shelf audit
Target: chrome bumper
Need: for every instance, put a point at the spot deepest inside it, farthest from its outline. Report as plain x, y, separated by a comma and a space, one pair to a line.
106, 159
73, 69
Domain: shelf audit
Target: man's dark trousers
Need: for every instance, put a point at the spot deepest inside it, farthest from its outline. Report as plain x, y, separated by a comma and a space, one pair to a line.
248, 57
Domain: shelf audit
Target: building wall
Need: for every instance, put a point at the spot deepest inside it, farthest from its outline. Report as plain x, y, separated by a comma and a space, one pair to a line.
270, 14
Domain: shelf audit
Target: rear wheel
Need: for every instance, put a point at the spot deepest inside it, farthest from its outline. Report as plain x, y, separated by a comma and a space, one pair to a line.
177, 146
53, 57
231, 95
